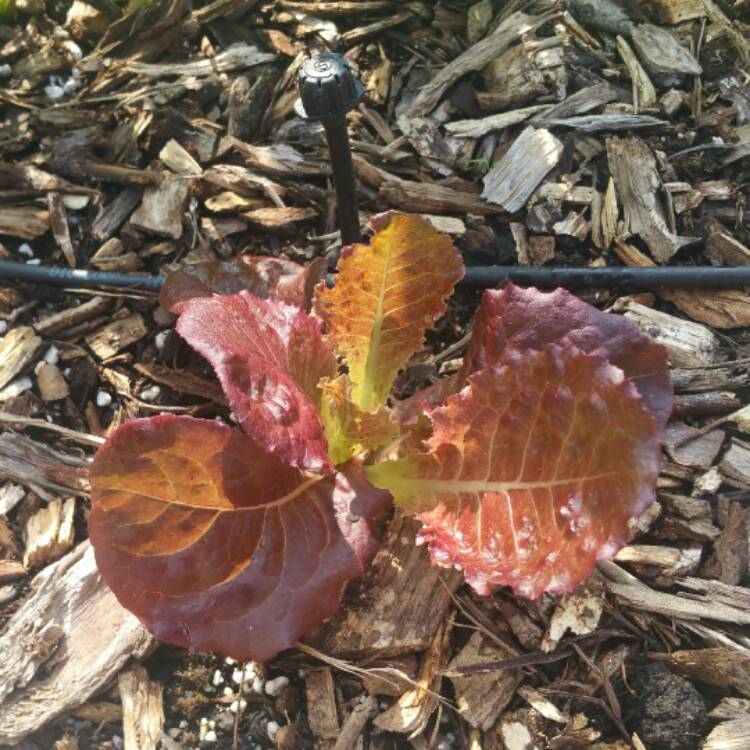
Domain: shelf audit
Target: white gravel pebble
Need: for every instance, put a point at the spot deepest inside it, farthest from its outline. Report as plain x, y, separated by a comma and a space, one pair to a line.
34, 262
183, 724
160, 339
26, 249
15, 388
258, 685
5, 70
241, 705
218, 678
117, 741
228, 692
151, 394
54, 92
237, 676
52, 357
275, 686
210, 736
272, 729
229, 660
103, 399
3, 327
74, 49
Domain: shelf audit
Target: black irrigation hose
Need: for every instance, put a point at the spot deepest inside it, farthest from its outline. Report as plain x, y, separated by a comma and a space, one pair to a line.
328, 90
478, 277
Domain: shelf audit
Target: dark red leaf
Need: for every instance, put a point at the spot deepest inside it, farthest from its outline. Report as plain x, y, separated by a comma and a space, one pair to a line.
530, 319
217, 545
269, 358
274, 278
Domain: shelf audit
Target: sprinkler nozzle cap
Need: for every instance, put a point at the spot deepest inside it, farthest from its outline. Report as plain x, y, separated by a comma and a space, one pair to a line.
327, 88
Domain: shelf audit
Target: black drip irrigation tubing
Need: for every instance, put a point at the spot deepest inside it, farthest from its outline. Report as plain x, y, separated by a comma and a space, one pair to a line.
478, 277
328, 90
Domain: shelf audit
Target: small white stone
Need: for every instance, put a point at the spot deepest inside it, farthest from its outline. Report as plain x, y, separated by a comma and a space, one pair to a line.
241, 705
272, 729
183, 724
15, 388
52, 357
237, 676
70, 86
150, 394
26, 249
160, 339
203, 729
228, 692
210, 736
3, 327
258, 685
54, 92
275, 686
302, 673
717, 140
103, 399
218, 678
229, 660
5, 70
34, 262
74, 49
117, 741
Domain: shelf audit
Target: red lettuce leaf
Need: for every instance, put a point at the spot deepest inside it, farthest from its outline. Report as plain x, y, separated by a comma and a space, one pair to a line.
532, 472
530, 319
269, 358
215, 544
274, 278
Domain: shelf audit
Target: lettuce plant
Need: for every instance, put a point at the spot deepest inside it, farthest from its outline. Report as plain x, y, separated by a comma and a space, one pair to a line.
524, 467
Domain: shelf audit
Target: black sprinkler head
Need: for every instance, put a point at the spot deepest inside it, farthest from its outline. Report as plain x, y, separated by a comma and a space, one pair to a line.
327, 88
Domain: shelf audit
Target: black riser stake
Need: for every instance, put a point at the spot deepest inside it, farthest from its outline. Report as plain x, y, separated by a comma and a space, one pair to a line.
328, 90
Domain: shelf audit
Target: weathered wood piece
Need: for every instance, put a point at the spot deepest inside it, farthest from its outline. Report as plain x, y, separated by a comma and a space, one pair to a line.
51, 383
142, 709
511, 182
679, 606
475, 58
66, 642
114, 214
662, 53
512, 79
49, 533
321, 704
68, 317
478, 128
644, 93
58, 219
11, 570
376, 623
278, 160
435, 199
676, 11
736, 462
177, 158
584, 100
237, 57
161, 209
279, 219
689, 344
118, 335
482, 697
25, 222
28, 462
607, 122
633, 168
17, 350
722, 249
